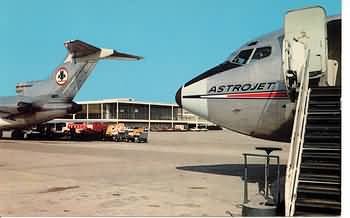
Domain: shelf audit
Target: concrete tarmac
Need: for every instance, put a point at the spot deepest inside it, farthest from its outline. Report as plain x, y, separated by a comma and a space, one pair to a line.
175, 174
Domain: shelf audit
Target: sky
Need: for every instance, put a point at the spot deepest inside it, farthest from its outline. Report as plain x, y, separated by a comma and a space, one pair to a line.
178, 39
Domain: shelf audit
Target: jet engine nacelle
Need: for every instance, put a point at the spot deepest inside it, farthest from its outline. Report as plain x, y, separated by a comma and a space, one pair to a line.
69, 107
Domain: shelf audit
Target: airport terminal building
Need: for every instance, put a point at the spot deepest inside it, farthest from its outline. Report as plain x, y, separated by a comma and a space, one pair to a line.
154, 116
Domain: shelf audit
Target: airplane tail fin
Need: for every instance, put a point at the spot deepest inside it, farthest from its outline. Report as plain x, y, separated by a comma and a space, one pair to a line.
68, 77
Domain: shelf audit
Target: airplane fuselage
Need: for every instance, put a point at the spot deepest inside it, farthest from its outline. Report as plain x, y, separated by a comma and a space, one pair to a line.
251, 98
16, 113
247, 93
43, 100
34, 118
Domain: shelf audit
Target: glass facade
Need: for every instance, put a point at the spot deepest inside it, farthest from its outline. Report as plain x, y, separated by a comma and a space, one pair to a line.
94, 111
82, 114
110, 111
133, 111
177, 113
161, 112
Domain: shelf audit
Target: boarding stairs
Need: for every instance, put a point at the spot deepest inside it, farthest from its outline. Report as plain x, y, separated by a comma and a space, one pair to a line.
318, 190
313, 178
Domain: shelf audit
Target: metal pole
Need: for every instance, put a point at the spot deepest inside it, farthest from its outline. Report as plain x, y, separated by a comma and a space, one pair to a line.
101, 111
267, 177
87, 111
149, 118
172, 116
117, 112
245, 200
278, 181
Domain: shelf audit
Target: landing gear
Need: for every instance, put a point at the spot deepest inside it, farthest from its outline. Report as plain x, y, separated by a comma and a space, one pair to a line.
17, 134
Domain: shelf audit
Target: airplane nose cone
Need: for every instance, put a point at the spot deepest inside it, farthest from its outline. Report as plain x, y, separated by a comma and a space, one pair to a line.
178, 97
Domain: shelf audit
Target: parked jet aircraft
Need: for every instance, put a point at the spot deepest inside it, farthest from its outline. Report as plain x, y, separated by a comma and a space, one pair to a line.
247, 92
43, 100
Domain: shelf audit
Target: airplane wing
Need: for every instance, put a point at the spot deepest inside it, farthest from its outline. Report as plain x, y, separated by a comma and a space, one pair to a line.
81, 49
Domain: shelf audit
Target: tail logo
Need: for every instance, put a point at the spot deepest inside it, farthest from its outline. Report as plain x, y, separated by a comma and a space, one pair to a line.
61, 76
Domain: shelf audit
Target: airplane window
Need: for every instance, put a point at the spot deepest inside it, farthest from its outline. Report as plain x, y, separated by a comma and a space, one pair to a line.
242, 57
261, 53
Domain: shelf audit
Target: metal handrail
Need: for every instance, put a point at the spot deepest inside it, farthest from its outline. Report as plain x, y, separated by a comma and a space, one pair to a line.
296, 146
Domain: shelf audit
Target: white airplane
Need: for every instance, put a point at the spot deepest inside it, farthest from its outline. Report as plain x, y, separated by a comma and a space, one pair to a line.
247, 92
43, 100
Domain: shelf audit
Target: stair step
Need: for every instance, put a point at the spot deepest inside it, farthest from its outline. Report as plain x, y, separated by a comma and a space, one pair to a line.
323, 99
318, 186
324, 113
330, 102
320, 166
325, 92
325, 119
324, 105
315, 151
334, 194
322, 156
318, 203
319, 213
322, 108
325, 95
320, 162
319, 182
326, 135
323, 128
325, 88
322, 137
311, 149
321, 145
327, 179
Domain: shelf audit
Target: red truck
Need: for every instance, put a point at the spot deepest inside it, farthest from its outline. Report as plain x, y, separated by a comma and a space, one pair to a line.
87, 131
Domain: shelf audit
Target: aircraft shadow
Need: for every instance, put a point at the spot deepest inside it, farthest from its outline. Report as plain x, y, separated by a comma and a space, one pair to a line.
255, 173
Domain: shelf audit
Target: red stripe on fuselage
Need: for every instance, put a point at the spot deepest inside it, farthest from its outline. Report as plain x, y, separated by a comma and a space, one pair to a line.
273, 94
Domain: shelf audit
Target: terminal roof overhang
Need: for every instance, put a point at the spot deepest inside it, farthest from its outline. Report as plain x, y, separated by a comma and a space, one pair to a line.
125, 100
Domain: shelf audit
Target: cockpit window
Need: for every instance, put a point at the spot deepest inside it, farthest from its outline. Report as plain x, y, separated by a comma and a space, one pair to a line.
242, 57
238, 60
253, 43
227, 65
261, 53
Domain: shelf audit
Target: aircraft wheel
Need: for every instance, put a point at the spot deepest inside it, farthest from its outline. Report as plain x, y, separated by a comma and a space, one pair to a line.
17, 134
